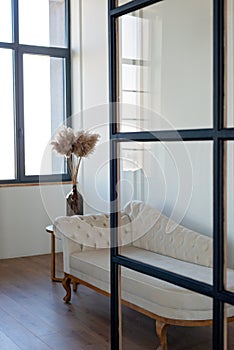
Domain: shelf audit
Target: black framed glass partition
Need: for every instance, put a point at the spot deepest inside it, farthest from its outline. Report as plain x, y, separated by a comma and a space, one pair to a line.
168, 100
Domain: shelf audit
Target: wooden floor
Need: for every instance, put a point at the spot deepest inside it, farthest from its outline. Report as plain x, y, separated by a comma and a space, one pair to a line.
34, 317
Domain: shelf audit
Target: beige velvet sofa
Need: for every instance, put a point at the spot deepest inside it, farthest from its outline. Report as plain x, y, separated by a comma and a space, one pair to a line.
146, 235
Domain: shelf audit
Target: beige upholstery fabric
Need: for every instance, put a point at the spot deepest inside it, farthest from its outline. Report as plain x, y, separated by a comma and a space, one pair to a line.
143, 225
164, 236
152, 294
156, 241
91, 231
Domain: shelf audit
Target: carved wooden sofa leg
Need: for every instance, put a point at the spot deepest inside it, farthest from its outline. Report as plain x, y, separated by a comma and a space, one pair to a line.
75, 285
67, 286
161, 330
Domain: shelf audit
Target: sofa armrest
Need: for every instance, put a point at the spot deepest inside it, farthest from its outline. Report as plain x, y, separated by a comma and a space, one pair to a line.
63, 228
88, 232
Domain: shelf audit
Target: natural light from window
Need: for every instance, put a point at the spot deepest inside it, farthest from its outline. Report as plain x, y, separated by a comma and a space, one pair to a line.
43, 84
5, 21
7, 136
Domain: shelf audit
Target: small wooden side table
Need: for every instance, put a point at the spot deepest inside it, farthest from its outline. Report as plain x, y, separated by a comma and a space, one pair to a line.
50, 230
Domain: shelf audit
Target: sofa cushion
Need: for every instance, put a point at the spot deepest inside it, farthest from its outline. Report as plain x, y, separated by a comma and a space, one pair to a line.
154, 295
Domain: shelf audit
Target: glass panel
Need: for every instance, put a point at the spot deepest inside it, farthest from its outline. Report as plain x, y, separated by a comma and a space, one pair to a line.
229, 214
173, 180
230, 57
165, 300
230, 326
122, 2
44, 111
42, 22
5, 21
165, 53
7, 130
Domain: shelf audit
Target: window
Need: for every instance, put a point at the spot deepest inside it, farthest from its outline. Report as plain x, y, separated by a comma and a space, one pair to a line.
34, 88
134, 93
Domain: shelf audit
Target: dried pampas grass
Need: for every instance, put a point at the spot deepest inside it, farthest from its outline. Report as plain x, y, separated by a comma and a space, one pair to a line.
63, 141
81, 144
84, 143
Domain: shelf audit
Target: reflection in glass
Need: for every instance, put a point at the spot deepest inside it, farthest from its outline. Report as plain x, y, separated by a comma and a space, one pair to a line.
7, 130
230, 56
230, 326
5, 21
122, 2
165, 300
44, 103
165, 60
175, 179
229, 213
42, 22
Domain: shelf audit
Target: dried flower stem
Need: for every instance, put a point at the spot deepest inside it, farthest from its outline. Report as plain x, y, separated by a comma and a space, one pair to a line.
76, 170
70, 167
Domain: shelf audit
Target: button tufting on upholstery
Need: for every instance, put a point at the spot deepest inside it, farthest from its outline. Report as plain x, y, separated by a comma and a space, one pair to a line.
206, 247
94, 217
104, 224
87, 235
100, 234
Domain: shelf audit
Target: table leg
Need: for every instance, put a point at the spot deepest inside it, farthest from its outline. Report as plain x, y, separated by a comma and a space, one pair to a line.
53, 277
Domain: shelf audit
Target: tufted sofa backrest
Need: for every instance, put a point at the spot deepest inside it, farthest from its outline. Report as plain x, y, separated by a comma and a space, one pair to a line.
155, 232
91, 231
144, 227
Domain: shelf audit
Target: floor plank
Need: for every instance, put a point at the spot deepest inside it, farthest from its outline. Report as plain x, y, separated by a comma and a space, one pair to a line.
6, 343
34, 316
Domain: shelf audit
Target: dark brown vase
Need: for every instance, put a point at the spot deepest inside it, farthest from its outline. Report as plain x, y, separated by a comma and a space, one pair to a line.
74, 202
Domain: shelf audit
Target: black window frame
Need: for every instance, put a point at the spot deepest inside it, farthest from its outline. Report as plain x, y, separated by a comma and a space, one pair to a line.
219, 134
19, 50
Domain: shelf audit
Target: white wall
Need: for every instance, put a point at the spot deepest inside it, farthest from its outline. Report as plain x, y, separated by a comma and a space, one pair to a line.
90, 96
25, 213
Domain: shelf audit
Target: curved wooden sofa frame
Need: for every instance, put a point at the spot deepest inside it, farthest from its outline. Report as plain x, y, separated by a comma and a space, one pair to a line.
162, 323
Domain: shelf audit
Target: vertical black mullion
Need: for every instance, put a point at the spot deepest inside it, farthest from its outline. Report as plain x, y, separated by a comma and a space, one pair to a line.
15, 21
115, 321
18, 94
218, 272
115, 306
67, 21
112, 68
68, 112
20, 119
218, 211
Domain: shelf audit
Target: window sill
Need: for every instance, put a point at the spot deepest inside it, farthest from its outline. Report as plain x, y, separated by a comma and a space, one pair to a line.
27, 184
